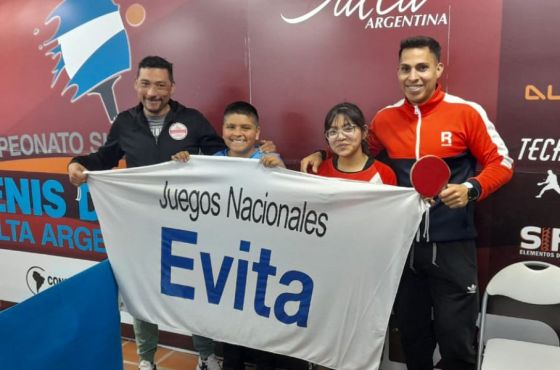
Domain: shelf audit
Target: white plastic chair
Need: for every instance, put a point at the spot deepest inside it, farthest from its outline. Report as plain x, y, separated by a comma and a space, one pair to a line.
507, 343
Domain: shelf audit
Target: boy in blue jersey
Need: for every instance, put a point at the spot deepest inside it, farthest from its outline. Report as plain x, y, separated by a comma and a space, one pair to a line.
240, 132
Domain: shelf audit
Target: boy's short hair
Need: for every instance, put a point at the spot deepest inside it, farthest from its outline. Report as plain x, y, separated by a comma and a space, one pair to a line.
242, 107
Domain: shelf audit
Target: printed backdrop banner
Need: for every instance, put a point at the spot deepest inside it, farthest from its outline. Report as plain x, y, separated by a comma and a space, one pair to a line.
267, 258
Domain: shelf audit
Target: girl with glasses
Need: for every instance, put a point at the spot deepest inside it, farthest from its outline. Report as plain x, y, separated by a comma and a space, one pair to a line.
346, 132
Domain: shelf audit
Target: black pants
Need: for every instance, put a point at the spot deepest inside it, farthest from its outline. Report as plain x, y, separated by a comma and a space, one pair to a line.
236, 356
439, 278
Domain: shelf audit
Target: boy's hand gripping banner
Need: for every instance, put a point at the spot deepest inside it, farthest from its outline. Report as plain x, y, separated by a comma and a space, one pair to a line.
267, 258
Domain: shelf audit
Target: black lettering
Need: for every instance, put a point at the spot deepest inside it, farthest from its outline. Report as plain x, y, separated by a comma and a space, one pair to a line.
163, 199
232, 201
183, 199
322, 224
215, 204
310, 219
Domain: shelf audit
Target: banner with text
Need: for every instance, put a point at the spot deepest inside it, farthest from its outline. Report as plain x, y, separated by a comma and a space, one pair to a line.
267, 258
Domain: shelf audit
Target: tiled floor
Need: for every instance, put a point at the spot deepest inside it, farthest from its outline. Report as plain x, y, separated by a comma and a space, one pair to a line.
173, 359
166, 358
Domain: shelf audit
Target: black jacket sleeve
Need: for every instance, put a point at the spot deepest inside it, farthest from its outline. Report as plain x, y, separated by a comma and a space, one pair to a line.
108, 155
209, 141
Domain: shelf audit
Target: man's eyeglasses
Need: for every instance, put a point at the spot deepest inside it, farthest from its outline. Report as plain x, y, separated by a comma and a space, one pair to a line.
346, 130
158, 86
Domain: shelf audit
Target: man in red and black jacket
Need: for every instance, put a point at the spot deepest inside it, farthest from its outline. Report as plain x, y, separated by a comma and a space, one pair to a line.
440, 277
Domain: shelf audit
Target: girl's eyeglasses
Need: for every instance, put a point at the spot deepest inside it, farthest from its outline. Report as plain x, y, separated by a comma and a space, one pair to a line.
346, 130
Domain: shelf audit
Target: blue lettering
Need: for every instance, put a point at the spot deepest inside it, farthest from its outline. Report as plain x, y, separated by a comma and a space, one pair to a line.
65, 234
304, 299
25, 233
26, 197
57, 206
18, 231
168, 235
215, 284
82, 238
2, 205
98, 243
36, 197
15, 196
82, 242
214, 291
3, 238
13, 228
263, 270
10, 235
48, 236
85, 212
241, 283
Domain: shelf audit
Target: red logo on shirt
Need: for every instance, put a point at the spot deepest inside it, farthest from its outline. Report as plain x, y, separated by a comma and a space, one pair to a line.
178, 131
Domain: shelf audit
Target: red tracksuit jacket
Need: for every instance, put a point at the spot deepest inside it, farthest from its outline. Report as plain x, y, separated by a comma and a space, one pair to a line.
454, 129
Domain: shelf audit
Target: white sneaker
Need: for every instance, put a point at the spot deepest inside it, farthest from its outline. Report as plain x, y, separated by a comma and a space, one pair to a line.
146, 365
211, 363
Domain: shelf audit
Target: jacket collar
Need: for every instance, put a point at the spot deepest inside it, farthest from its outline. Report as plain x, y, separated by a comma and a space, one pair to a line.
430, 105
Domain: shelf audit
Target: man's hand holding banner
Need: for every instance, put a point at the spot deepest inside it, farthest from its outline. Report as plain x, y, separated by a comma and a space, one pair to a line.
267, 258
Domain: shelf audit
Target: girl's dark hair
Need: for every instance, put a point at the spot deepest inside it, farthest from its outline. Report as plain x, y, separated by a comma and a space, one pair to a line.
351, 113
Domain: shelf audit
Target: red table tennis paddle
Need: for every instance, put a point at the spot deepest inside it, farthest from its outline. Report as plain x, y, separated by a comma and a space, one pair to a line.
429, 175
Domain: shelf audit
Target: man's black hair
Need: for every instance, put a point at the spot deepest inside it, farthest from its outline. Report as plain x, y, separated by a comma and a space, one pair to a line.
421, 42
153, 61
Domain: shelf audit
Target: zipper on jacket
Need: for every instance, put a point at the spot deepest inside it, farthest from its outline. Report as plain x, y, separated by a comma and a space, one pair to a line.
418, 129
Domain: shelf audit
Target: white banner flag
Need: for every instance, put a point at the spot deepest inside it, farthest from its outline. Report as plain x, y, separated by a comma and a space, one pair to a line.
267, 258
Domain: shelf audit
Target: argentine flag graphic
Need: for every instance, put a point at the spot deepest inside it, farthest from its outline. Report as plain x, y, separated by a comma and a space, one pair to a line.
93, 47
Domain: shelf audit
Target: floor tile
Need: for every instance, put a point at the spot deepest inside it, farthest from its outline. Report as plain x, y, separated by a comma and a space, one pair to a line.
166, 358
178, 360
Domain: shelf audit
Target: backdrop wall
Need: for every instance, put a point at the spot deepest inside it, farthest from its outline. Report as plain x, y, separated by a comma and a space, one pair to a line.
293, 60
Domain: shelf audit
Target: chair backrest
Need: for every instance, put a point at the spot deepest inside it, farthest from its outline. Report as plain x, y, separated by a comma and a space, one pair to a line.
531, 282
